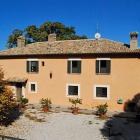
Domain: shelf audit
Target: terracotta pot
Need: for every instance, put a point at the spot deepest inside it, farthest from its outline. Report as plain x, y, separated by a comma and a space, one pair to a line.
45, 109
75, 111
103, 116
21, 106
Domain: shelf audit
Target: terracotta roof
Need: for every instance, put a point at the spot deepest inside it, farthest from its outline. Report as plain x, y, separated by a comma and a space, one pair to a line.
16, 80
84, 46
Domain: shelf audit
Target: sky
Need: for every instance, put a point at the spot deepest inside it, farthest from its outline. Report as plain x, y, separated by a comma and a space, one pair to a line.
115, 18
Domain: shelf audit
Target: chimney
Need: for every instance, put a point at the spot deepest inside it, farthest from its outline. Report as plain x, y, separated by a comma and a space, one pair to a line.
134, 40
52, 37
21, 41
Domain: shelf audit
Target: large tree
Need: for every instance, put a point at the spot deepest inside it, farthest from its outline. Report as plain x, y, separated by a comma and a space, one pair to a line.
9, 110
33, 33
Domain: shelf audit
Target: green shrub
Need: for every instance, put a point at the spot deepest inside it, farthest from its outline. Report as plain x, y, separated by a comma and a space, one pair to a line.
22, 103
133, 105
46, 103
24, 100
75, 101
102, 109
130, 106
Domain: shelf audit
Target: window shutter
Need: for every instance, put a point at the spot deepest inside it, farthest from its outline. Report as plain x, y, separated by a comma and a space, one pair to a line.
79, 66
37, 66
108, 66
68, 66
97, 66
27, 66
98, 92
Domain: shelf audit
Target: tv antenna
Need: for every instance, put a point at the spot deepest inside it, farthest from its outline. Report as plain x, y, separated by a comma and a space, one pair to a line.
97, 34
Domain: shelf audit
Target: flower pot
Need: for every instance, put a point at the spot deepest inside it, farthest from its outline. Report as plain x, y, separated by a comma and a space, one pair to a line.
45, 109
103, 116
75, 111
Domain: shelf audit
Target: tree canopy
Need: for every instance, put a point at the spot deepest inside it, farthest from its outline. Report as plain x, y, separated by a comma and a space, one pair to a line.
33, 33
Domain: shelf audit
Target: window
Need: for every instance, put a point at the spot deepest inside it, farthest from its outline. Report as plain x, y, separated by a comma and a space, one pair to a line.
73, 90
33, 87
32, 66
101, 91
103, 66
74, 66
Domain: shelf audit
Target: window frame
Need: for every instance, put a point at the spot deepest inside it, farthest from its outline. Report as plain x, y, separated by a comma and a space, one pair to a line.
74, 59
35, 83
100, 59
67, 90
30, 60
102, 86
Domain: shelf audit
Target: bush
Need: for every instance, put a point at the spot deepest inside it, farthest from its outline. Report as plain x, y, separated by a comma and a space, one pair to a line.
133, 105
24, 101
102, 109
46, 103
75, 101
75, 109
8, 106
130, 106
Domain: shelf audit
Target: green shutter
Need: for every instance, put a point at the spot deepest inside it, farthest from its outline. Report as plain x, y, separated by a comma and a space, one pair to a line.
37, 65
97, 66
68, 66
108, 62
79, 66
27, 66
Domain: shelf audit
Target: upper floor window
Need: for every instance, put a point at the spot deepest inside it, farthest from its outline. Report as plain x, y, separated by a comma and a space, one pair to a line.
32, 65
103, 66
74, 66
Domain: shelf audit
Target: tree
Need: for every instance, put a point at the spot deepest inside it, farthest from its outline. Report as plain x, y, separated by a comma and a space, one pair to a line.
33, 33
8, 105
12, 39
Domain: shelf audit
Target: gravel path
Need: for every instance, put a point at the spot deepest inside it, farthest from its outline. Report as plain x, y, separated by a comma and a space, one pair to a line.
58, 126
36, 125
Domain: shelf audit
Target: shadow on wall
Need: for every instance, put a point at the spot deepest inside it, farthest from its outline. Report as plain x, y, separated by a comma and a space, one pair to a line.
125, 125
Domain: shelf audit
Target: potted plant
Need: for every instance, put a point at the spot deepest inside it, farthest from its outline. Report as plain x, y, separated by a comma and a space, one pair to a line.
74, 107
22, 103
102, 110
46, 104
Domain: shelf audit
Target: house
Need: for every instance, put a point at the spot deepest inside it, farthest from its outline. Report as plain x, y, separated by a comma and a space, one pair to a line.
96, 70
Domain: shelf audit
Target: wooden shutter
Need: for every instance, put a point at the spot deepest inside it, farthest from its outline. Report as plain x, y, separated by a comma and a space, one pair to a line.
27, 66
37, 66
97, 66
79, 66
68, 66
108, 66
98, 92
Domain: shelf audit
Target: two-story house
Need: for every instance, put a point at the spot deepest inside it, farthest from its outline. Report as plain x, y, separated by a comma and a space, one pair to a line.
96, 70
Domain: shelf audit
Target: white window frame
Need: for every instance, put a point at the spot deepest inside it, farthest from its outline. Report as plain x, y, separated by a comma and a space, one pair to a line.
102, 98
32, 59
103, 59
100, 62
35, 87
67, 86
73, 59
23, 91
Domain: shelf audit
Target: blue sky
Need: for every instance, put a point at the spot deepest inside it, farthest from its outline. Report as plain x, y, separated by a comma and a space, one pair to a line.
116, 18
